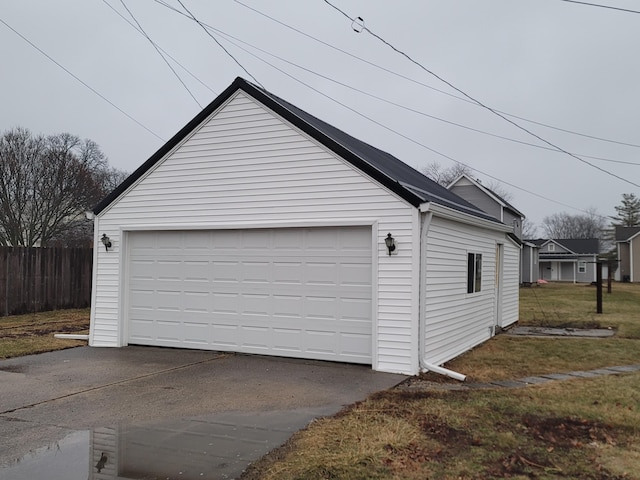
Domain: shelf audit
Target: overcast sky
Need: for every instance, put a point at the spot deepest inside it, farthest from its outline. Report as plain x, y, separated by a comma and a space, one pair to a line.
566, 65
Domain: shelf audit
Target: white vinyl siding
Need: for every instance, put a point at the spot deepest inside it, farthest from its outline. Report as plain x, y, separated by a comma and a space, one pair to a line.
246, 167
510, 284
456, 320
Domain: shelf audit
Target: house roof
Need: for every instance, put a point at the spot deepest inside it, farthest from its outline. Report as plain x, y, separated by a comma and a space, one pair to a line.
580, 246
624, 234
489, 192
394, 174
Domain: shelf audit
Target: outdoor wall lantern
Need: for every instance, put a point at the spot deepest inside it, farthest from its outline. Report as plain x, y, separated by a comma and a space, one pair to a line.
390, 242
106, 241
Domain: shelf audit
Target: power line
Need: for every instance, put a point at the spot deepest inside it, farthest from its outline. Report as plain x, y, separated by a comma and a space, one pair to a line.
93, 90
159, 52
214, 39
227, 36
404, 107
405, 136
397, 74
602, 6
462, 92
189, 72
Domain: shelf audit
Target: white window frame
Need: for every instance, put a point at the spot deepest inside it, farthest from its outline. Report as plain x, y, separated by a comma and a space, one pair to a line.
474, 272
582, 266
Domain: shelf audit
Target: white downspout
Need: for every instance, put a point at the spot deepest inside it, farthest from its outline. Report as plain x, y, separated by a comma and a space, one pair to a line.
424, 365
429, 367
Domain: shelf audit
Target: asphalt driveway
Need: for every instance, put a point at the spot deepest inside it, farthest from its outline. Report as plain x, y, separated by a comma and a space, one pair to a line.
144, 412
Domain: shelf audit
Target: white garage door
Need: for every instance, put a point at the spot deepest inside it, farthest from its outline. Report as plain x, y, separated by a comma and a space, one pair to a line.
298, 292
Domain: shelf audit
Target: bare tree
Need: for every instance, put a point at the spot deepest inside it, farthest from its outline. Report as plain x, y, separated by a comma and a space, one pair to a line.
445, 175
565, 226
496, 187
529, 229
46, 185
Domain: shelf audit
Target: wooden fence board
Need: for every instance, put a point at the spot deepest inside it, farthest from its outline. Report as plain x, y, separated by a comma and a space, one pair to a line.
40, 279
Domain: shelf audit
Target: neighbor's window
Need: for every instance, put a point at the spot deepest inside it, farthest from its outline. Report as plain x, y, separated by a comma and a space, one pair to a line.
551, 247
474, 272
582, 267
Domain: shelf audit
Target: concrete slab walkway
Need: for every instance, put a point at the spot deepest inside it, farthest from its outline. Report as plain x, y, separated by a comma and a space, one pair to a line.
417, 384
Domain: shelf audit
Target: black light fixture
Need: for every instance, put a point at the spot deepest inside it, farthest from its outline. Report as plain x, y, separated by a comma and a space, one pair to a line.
390, 242
106, 241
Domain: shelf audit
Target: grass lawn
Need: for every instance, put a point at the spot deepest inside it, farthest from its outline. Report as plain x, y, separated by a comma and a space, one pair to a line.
582, 429
33, 333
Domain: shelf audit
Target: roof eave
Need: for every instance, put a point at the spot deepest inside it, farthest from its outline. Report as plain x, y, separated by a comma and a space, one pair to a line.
451, 214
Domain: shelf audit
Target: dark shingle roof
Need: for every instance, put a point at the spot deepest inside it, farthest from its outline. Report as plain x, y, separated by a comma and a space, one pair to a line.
580, 245
396, 175
575, 245
537, 241
625, 233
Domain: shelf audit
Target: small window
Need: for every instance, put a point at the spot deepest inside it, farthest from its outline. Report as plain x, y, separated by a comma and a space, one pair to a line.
474, 272
551, 247
582, 267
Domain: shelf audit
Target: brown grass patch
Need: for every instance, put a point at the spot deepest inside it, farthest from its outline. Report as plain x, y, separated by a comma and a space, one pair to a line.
34, 333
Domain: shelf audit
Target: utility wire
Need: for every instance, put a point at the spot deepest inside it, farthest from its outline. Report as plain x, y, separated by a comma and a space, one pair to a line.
462, 92
405, 136
163, 51
159, 52
426, 85
93, 90
214, 39
227, 36
602, 6
404, 107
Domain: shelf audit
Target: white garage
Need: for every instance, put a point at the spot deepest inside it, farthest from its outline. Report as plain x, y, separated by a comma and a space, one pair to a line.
302, 292
259, 228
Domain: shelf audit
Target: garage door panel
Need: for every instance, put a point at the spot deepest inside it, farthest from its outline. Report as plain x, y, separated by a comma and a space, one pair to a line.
303, 292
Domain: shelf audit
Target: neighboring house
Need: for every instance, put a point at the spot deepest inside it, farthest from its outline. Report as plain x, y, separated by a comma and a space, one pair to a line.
529, 263
568, 260
628, 247
490, 202
259, 228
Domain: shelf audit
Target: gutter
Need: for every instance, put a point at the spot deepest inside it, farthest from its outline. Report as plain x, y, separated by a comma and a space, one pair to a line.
425, 366
466, 218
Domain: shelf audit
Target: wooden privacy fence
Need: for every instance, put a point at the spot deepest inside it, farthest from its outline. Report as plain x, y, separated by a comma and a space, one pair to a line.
40, 279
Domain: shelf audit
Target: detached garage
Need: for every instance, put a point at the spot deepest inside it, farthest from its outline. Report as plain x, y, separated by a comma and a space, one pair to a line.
261, 229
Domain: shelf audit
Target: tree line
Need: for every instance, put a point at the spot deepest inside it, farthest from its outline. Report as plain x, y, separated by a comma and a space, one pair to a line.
47, 183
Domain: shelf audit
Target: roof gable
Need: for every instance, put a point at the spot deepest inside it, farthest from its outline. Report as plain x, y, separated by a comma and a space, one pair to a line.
465, 179
397, 176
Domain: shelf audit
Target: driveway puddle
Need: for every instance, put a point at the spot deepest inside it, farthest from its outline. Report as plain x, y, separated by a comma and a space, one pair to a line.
217, 446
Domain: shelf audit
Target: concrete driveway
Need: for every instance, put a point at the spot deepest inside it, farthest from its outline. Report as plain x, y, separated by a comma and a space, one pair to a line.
144, 412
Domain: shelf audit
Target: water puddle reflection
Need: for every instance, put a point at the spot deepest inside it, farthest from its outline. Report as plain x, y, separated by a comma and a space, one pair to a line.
209, 447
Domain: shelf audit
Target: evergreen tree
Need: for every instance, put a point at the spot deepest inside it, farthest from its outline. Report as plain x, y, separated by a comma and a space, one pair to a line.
628, 212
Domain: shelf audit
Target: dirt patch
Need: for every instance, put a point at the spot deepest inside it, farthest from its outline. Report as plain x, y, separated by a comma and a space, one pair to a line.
441, 431
42, 330
567, 432
552, 437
